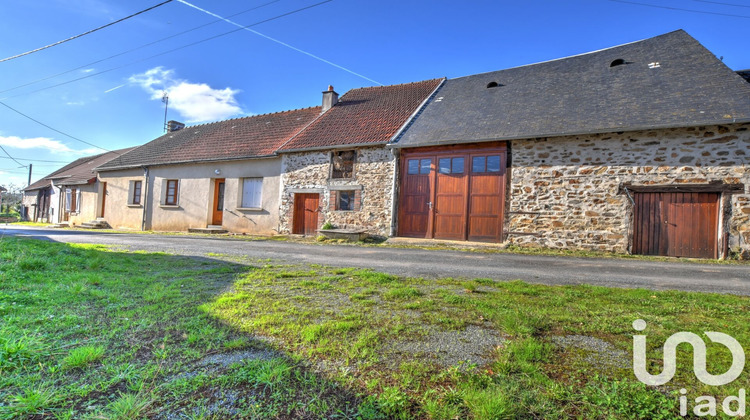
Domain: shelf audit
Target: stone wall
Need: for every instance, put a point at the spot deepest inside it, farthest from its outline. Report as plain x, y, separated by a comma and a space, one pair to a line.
373, 179
565, 192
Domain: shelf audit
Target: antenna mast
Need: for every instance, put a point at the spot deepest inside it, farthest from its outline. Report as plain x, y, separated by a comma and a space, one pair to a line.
165, 99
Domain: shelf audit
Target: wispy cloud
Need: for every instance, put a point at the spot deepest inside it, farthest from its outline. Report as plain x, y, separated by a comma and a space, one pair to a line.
43, 143
87, 70
195, 102
76, 103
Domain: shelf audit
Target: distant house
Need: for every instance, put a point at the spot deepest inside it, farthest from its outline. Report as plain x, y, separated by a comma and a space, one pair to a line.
640, 148
71, 195
216, 177
338, 170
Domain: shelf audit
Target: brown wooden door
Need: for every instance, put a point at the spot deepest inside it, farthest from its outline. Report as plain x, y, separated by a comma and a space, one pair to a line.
451, 186
415, 209
306, 212
676, 224
217, 217
104, 198
486, 197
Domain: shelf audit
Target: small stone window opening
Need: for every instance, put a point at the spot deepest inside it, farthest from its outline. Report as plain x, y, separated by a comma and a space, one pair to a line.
492, 85
343, 164
618, 62
346, 200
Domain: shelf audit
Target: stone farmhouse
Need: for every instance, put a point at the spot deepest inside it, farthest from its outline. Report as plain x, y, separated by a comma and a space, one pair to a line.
641, 148
337, 170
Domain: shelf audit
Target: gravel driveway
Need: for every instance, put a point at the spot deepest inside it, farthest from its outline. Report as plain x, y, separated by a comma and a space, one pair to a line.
550, 270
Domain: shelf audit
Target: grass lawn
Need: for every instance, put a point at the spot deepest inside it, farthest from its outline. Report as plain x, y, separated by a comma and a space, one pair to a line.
92, 333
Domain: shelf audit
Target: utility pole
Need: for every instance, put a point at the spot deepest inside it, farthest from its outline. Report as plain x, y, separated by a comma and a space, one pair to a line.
29, 183
165, 99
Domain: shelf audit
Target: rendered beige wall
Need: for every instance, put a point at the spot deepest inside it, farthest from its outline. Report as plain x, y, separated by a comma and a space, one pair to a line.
117, 212
87, 207
196, 196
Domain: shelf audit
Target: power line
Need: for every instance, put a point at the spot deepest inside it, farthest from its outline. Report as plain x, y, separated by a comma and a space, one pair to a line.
85, 33
51, 128
681, 9
11, 157
39, 160
723, 4
169, 51
279, 42
134, 49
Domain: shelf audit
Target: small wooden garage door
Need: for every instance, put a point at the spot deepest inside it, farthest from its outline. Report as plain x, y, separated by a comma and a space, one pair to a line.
676, 224
453, 193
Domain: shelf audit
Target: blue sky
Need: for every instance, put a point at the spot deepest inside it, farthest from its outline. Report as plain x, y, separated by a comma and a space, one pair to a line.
246, 73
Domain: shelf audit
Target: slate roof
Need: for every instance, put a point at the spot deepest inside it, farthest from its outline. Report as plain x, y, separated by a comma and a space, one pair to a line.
240, 138
78, 172
667, 81
370, 115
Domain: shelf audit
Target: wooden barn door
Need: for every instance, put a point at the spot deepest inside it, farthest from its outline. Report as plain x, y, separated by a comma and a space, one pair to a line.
451, 186
306, 211
453, 192
416, 198
676, 224
486, 197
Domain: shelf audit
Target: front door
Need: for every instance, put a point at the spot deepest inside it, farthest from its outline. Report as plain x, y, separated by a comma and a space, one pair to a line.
217, 217
306, 212
104, 197
416, 198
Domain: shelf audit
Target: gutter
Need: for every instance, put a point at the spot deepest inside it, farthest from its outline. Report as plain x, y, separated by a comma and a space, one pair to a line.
333, 147
145, 197
183, 162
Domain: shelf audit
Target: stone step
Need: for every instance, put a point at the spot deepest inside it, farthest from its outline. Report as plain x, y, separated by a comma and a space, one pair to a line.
95, 224
211, 229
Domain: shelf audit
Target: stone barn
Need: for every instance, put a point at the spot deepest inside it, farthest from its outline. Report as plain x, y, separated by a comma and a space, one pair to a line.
641, 148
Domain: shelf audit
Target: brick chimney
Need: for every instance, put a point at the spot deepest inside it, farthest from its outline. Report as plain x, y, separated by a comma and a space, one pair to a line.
173, 125
330, 98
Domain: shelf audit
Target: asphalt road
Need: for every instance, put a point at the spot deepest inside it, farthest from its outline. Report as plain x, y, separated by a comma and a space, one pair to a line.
690, 276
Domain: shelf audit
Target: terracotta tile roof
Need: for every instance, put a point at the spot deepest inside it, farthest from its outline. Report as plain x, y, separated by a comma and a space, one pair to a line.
240, 138
364, 116
80, 171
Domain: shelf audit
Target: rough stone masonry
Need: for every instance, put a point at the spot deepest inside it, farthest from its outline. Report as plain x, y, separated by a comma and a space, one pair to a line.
565, 192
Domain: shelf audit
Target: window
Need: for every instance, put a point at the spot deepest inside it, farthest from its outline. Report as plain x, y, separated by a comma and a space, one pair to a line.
413, 166
135, 197
451, 165
424, 166
251, 193
343, 164
480, 164
345, 200
72, 200
172, 190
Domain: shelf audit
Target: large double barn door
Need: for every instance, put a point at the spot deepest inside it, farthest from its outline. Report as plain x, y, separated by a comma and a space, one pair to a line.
676, 224
453, 193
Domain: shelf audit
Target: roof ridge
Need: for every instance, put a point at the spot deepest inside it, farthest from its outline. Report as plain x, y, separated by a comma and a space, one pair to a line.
247, 117
394, 85
576, 55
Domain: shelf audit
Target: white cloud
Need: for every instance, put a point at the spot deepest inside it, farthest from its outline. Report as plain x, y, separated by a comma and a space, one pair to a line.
195, 102
87, 70
76, 103
51, 145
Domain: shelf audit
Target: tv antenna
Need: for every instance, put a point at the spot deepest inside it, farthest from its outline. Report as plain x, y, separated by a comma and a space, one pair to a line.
165, 99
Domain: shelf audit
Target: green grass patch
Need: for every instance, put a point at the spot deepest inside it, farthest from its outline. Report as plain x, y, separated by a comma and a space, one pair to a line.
92, 333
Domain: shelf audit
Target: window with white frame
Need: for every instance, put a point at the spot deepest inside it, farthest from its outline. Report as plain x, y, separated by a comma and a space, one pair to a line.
251, 193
